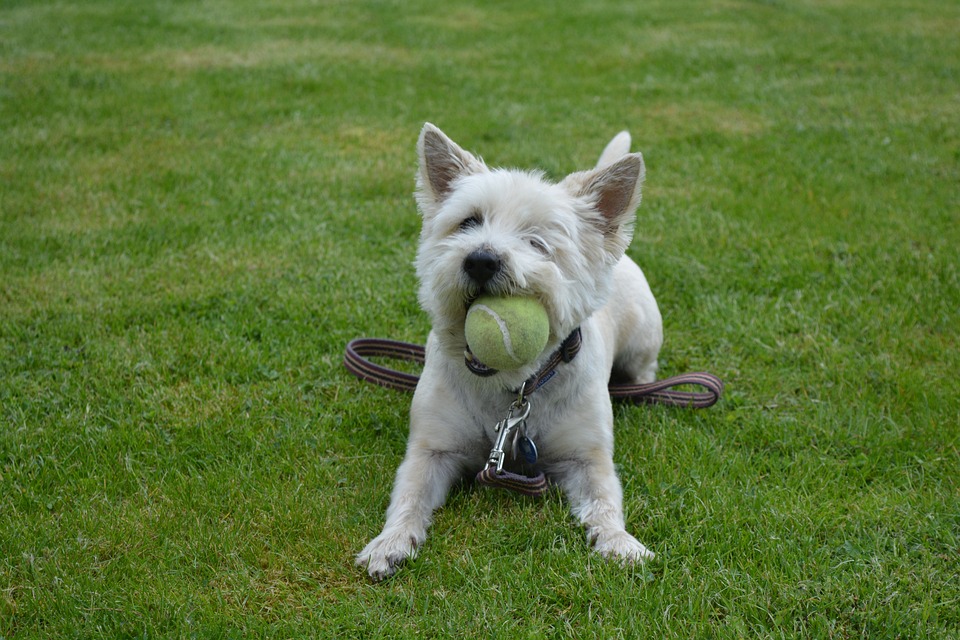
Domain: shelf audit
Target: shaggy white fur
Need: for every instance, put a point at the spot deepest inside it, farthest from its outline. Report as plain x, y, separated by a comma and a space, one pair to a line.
564, 244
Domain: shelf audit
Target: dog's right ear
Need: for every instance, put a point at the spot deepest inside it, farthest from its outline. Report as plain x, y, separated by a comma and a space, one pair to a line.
442, 161
613, 192
615, 149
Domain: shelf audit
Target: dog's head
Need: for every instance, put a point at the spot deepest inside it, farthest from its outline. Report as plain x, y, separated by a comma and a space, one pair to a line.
508, 232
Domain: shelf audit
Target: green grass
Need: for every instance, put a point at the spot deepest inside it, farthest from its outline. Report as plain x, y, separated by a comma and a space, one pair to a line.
202, 202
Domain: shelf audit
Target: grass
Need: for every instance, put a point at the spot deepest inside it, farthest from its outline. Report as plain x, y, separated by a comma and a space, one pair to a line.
201, 203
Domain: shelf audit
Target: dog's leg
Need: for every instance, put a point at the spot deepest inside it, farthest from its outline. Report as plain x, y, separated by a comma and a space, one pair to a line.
596, 498
423, 481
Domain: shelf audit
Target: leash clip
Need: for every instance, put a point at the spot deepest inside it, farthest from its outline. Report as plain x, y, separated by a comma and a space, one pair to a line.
504, 428
493, 475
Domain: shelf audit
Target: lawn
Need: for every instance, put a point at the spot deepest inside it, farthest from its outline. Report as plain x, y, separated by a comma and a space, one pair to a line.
202, 202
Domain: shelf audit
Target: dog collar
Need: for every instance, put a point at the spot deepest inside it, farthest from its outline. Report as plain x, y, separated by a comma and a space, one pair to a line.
566, 352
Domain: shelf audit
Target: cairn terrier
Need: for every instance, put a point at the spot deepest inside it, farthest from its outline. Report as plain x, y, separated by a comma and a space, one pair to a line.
510, 232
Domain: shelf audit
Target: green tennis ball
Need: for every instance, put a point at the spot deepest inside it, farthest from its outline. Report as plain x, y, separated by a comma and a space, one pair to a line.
506, 333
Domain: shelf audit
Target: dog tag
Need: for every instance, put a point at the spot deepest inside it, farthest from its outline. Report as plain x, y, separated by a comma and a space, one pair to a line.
527, 449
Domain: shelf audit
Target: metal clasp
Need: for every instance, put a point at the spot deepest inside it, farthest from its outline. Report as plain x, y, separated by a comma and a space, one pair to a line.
517, 415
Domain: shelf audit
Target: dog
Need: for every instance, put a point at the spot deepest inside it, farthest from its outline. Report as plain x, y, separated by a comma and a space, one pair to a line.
511, 232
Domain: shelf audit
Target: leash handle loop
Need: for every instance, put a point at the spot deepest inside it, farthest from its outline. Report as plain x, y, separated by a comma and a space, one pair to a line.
664, 392
356, 363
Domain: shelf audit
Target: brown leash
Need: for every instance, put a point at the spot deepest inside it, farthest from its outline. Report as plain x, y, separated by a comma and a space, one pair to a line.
494, 475
660, 392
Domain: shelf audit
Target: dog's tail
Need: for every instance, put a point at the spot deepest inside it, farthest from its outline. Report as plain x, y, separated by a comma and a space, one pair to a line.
615, 149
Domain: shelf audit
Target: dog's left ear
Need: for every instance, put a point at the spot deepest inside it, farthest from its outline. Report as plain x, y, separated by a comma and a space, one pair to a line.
442, 161
614, 192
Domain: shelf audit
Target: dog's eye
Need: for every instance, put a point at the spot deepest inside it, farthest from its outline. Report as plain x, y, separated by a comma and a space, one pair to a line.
471, 222
539, 245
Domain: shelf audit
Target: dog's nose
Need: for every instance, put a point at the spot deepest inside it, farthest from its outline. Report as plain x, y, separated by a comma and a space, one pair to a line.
481, 266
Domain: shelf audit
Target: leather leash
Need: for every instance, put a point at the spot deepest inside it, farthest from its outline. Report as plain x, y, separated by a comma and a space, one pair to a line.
493, 474
659, 392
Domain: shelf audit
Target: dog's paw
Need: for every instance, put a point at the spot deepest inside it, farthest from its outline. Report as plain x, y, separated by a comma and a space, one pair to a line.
386, 553
623, 547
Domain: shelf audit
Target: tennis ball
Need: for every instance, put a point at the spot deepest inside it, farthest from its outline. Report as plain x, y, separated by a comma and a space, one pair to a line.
506, 333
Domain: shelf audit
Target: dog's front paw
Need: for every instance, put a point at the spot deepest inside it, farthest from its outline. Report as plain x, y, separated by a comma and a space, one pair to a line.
386, 553
621, 546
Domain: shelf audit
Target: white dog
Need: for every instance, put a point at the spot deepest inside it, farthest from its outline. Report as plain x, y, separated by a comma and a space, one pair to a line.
507, 232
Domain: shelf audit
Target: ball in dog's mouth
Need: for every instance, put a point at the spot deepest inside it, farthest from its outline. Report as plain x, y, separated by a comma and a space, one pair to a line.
506, 333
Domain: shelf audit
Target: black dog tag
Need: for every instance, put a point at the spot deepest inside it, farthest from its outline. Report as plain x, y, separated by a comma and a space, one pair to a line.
527, 449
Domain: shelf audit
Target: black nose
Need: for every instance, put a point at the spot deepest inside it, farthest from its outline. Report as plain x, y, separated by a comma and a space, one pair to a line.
481, 266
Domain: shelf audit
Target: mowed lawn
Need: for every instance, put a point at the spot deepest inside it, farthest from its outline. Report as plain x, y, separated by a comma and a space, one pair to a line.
202, 202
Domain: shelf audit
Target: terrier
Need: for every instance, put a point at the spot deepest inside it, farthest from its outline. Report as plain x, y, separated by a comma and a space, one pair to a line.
510, 232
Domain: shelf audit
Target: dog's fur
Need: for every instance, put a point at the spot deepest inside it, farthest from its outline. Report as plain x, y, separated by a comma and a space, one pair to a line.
564, 244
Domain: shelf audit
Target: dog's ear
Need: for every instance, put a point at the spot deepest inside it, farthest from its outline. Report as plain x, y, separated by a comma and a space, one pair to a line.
442, 161
618, 147
614, 192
